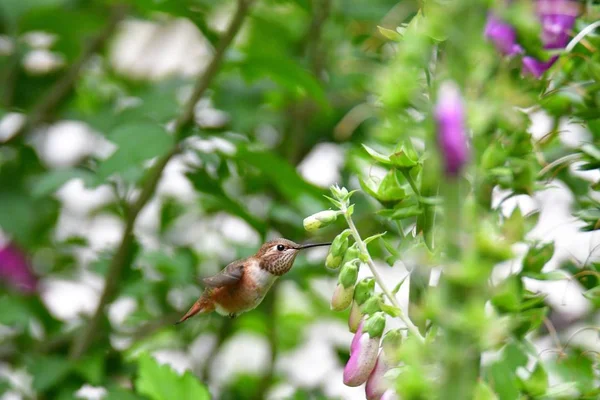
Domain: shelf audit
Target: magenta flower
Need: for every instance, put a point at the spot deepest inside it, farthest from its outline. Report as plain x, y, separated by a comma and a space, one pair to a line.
452, 139
363, 350
377, 383
557, 18
503, 35
15, 270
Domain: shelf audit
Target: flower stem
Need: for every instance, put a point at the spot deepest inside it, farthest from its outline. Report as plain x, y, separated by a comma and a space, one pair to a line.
412, 328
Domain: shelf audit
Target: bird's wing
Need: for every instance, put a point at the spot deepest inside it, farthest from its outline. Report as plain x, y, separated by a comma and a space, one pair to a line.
230, 275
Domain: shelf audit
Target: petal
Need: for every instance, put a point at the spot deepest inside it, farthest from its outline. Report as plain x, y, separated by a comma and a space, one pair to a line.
450, 118
362, 361
376, 384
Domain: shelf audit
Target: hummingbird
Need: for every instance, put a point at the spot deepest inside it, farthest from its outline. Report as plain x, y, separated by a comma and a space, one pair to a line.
242, 285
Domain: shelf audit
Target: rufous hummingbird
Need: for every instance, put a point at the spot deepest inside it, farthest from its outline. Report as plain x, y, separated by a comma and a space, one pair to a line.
242, 285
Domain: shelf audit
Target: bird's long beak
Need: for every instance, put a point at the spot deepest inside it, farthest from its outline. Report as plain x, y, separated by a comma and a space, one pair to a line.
308, 246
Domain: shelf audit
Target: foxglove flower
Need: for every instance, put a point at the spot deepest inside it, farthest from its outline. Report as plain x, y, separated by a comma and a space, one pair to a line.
557, 18
363, 350
377, 384
15, 270
503, 35
450, 119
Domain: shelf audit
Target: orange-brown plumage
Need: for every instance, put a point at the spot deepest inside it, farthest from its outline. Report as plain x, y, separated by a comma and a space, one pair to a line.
242, 285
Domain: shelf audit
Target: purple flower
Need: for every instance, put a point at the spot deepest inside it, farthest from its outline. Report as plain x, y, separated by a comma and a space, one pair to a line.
377, 383
536, 67
15, 270
363, 350
450, 118
557, 18
503, 35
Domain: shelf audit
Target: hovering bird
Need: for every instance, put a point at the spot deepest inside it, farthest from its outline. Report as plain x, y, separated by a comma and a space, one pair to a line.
242, 285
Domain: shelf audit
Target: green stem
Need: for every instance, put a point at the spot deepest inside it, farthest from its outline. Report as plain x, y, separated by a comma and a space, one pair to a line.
411, 182
412, 328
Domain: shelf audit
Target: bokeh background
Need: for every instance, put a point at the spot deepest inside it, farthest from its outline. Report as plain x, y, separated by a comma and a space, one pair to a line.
90, 95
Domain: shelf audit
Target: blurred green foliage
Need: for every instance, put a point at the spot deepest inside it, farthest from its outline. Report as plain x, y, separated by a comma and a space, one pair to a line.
359, 75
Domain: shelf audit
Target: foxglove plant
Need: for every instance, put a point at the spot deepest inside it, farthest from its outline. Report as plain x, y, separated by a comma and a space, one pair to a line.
364, 349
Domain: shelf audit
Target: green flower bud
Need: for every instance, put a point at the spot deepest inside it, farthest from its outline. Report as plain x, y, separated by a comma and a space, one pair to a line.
364, 290
348, 274
340, 243
375, 324
342, 297
319, 220
371, 306
352, 253
332, 262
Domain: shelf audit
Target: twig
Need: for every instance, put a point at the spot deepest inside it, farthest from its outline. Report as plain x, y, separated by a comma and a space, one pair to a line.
363, 249
61, 89
121, 258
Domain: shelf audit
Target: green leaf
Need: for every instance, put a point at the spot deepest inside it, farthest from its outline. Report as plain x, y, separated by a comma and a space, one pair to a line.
484, 392
575, 367
91, 368
593, 295
137, 142
14, 311
371, 238
508, 294
285, 72
50, 182
389, 310
389, 33
160, 382
377, 156
537, 383
48, 371
537, 256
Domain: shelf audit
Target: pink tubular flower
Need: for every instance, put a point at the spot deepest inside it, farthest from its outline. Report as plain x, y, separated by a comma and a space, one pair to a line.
364, 349
503, 35
450, 119
377, 383
15, 270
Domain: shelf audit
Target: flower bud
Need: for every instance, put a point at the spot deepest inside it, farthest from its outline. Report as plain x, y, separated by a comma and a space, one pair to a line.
364, 290
363, 356
319, 220
371, 306
352, 253
375, 324
503, 35
355, 316
451, 129
348, 274
342, 297
332, 262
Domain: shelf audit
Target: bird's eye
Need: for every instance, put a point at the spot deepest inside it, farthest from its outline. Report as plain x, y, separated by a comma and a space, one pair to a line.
280, 247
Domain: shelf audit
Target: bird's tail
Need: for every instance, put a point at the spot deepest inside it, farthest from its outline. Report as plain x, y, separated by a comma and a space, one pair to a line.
203, 305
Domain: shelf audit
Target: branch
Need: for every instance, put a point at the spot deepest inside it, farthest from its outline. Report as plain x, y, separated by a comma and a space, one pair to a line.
120, 259
61, 89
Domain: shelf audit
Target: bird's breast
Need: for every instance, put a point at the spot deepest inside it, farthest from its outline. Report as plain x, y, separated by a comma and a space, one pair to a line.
247, 294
